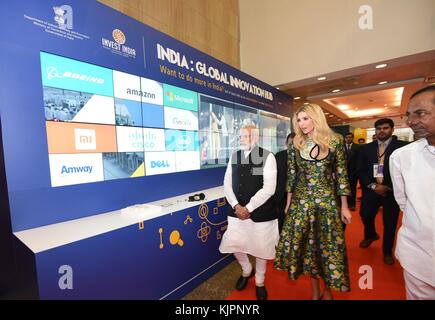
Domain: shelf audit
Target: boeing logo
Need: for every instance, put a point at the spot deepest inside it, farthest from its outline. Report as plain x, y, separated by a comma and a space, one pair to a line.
160, 164
53, 73
73, 170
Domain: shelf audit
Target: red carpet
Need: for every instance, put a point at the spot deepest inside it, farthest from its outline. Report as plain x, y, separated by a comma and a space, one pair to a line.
388, 283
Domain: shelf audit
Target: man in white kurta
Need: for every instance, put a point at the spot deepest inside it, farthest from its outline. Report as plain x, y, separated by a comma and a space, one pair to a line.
252, 227
413, 175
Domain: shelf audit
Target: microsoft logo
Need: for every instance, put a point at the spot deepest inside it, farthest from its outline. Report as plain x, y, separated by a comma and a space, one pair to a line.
170, 95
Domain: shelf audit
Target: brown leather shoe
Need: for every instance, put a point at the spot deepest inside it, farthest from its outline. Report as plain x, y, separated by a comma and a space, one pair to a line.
388, 259
243, 281
367, 242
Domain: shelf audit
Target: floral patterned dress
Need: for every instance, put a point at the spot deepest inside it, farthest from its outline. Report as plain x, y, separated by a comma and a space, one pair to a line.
312, 240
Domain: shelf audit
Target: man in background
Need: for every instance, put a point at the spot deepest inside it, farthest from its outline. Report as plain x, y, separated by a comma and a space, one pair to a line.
377, 189
281, 181
351, 161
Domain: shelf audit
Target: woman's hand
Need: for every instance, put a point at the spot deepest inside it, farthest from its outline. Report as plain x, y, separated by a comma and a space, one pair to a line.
288, 203
346, 215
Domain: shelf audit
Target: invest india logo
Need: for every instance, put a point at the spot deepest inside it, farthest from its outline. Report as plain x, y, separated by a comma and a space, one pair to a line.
118, 36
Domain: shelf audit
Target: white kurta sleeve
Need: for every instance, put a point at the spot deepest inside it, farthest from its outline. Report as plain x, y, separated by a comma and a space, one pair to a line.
228, 185
397, 179
269, 184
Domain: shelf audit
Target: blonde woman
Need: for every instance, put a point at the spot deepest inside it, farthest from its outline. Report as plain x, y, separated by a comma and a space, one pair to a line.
312, 239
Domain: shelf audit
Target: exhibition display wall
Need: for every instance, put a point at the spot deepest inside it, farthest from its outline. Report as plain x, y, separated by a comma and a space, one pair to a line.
87, 93
100, 112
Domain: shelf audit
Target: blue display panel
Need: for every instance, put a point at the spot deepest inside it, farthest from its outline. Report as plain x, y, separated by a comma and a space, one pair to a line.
64, 71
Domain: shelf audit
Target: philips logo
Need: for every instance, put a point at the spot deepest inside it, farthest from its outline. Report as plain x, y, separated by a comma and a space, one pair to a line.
74, 170
52, 73
160, 164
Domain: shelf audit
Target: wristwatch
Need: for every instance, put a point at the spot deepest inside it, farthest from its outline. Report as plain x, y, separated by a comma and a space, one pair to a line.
372, 186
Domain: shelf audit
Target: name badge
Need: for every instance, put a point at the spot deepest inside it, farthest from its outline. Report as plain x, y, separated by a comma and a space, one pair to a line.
378, 170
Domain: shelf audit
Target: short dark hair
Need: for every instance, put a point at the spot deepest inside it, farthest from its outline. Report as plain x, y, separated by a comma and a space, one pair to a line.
384, 121
290, 135
361, 139
349, 133
423, 90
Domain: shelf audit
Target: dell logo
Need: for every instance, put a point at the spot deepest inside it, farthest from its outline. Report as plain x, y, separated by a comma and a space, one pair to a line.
160, 164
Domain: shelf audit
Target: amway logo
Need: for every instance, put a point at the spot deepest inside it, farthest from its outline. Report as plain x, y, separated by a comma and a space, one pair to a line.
73, 170
52, 73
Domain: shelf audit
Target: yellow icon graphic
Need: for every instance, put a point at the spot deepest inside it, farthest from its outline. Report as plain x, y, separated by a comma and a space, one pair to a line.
221, 202
175, 238
203, 232
188, 219
203, 214
205, 229
161, 240
141, 225
218, 235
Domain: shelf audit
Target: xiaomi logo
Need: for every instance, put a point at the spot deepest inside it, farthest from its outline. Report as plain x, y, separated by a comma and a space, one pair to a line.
85, 139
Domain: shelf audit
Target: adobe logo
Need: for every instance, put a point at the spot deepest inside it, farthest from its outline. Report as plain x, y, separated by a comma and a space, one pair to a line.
85, 139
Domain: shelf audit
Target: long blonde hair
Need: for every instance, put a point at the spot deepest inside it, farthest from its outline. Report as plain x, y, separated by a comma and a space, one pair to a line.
322, 133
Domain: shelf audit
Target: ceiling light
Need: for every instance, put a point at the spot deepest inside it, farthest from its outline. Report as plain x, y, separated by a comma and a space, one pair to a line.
336, 90
343, 106
364, 113
331, 115
383, 82
326, 112
277, 88
380, 66
296, 98
321, 78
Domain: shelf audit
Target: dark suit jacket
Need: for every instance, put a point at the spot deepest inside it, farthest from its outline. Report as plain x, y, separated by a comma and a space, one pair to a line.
281, 176
352, 158
368, 155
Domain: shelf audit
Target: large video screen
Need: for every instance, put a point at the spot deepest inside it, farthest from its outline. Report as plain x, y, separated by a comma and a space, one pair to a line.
104, 124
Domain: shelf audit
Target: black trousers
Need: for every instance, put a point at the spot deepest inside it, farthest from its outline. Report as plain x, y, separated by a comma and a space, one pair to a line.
280, 206
370, 204
353, 181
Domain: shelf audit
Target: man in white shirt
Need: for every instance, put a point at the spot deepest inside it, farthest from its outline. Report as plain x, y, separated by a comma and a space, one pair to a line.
249, 184
413, 176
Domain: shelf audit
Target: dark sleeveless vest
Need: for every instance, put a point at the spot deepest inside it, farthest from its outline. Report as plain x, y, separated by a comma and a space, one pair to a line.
247, 179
